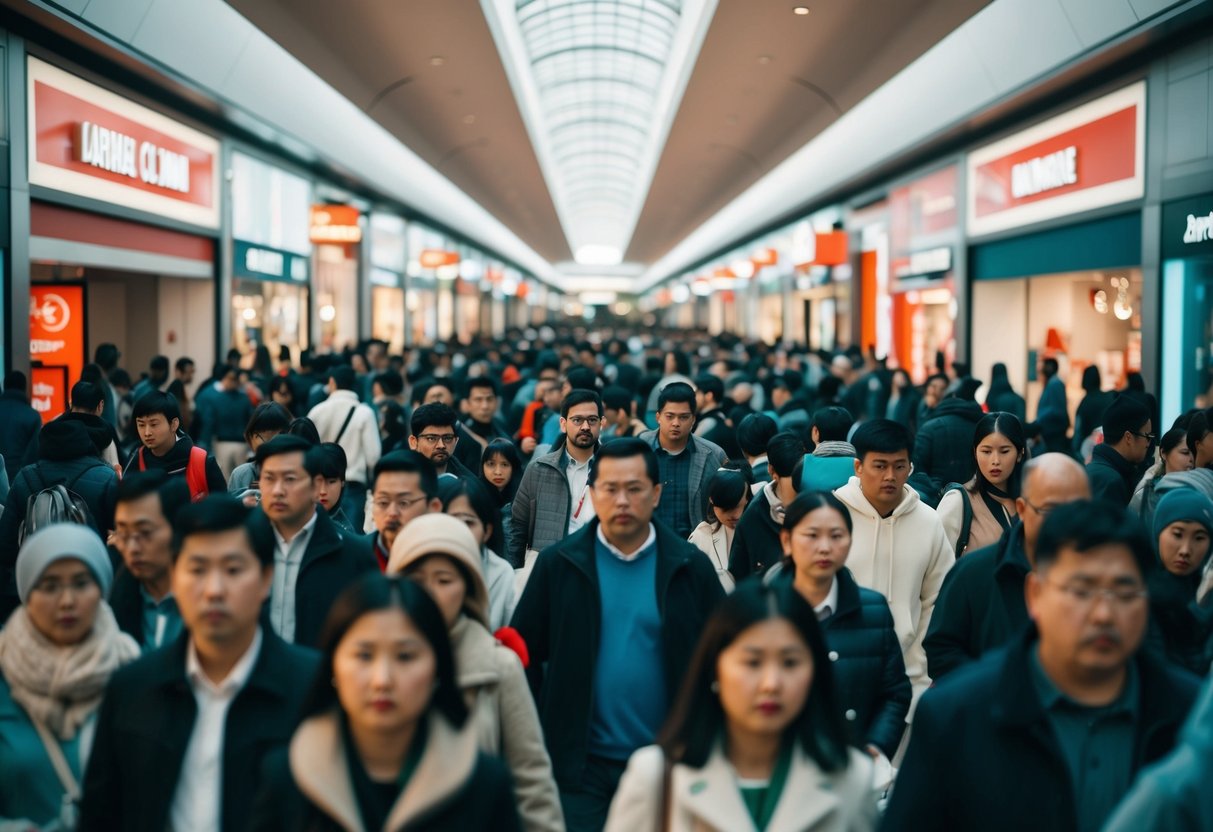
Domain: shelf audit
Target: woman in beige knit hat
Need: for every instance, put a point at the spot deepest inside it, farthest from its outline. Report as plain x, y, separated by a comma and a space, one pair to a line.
440, 553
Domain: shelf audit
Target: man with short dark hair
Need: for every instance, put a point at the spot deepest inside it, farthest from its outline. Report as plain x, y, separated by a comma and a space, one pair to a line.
163, 446
1049, 732
403, 487
619, 414
343, 419
182, 732
790, 409
85, 404
753, 434
611, 615
433, 433
1052, 413
179, 387
712, 422
228, 413
156, 378
687, 462
313, 560
833, 459
482, 424
19, 423
1128, 433
756, 542
106, 357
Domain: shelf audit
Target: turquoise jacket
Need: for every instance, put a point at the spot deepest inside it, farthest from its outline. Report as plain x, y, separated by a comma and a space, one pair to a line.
29, 788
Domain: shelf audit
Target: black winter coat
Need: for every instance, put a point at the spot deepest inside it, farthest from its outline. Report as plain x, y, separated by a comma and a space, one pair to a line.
1112, 477
943, 448
559, 616
175, 462
144, 728
983, 754
756, 544
980, 606
19, 426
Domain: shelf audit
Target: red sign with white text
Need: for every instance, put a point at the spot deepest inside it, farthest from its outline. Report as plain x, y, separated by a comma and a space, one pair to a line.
56, 339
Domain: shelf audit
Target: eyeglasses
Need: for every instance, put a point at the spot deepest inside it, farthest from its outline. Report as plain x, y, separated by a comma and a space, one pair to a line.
1086, 596
438, 439
1150, 436
136, 536
1043, 511
579, 421
402, 504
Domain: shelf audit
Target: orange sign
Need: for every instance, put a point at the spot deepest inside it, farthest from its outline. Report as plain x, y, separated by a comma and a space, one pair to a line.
335, 224
433, 258
831, 248
765, 257
56, 339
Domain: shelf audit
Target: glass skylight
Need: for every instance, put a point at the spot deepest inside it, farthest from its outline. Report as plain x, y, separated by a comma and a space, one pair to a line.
598, 83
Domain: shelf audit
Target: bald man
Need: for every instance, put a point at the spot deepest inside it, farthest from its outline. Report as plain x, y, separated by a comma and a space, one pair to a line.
981, 604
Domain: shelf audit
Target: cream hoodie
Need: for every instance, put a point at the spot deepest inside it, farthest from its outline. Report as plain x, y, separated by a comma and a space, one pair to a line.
904, 557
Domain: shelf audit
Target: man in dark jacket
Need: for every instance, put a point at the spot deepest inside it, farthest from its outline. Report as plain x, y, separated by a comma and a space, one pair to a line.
482, 425
1128, 432
164, 447
607, 654
314, 560
86, 404
19, 423
228, 412
713, 423
943, 448
181, 733
756, 544
1052, 412
68, 458
1049, 732
981, 604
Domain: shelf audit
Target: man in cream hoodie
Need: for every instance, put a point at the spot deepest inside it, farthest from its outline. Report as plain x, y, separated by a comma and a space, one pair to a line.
898, 546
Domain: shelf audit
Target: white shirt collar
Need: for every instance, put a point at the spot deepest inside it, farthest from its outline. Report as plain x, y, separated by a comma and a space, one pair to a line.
299, 535
237, 677
830, 605
614, 550
573, 463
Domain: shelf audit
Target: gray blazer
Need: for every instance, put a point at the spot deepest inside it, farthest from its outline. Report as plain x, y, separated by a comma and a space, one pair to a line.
539, 515
706, 457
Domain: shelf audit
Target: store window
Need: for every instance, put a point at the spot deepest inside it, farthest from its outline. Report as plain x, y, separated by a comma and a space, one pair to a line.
1187, 306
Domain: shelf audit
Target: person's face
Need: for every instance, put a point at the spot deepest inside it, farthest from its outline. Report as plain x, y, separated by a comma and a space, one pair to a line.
1090, 609
1183, 547
765, 676
675, 422
1204, 451
396, 500
498, 470
582, 425
282, 395
288, 493
157, 433
624, 496
440, 577
438, 393
384, 672
482, 404
1041, 493
358, 363
220, 585
730, 517
144, 538
934, 391
780, 396
882, 478
329, 491
436, 443
1179, 459
62, 605
461, 509
186, 375
997, 457
1138, 444
552, 396
818, 545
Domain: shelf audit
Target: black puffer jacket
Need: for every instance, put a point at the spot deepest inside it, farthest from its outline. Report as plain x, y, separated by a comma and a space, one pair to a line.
943, 449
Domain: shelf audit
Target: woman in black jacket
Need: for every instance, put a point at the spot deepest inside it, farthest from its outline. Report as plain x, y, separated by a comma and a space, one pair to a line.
869, 672
385, 742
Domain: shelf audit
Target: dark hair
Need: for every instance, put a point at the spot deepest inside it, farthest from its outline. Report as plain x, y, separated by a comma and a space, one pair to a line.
221, 513
936, 377
1050, 366
1008, 425
829, 388
481, 501
106, 355
882, 436
305, 429
326, 460
833, 424
1091, 381
1000, 383
710, 385
617, 398
785, 449
682, 362
392, 384
726, 490
1126, 414
183, 364
626, 448
373, 593
582, 378
678, 392
789, 380
754, 432
86, 396
156, 403
283, 443
432, 415
15, 380
810, 501
267, 416
697, 720
159, 362
408, 462
1084, 525
576, 397
479, 381
174, 492
1198, 428
280, 384
509, 452
343, 376
1171, 440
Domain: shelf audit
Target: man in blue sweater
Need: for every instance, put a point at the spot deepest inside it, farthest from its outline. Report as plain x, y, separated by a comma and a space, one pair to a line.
611, 616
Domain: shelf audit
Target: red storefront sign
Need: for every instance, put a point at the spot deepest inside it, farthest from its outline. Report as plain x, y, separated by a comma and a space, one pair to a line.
336, 224
1087, 158
87, 140
56, 342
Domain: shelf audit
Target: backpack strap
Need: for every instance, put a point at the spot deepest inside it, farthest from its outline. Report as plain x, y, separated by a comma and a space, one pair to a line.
345, 425
195, 474
966, 523
139, 458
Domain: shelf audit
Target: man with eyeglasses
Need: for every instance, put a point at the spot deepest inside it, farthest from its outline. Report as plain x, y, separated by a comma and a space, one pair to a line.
1128, 434
1049, 732
553, 499
404, 486
142, 597
434, 436
314, 560
981, 604
686, 462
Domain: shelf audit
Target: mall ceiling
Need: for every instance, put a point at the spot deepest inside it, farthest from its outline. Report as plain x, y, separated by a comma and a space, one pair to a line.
767, 80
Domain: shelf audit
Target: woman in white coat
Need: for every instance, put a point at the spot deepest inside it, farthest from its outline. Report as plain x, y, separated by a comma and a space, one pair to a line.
728, 496
755, 740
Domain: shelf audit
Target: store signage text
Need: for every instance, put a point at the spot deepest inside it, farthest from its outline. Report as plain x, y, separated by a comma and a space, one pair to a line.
931, 262
335, 224
267, 263
56, 330
1045, 173
118, 153
1200, 229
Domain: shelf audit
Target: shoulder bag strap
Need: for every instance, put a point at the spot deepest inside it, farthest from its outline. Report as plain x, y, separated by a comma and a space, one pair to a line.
667, 772
70, 786
345, 424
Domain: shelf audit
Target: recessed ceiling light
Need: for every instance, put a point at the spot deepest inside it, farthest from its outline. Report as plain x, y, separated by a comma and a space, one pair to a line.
764, 59
437, 60
800, 10
469, 119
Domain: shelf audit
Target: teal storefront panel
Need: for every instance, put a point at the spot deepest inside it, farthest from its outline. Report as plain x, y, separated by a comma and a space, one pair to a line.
1113, 242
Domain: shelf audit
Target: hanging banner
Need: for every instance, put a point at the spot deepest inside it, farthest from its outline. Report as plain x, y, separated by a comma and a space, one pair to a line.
56, 340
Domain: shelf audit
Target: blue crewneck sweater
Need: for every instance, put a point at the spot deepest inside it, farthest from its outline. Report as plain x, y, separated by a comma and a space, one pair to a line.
630, 698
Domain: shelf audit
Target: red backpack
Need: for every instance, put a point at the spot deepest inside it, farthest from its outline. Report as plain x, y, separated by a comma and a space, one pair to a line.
195, 472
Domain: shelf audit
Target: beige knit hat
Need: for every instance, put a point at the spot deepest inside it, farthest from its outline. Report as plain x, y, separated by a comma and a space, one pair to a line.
442, 534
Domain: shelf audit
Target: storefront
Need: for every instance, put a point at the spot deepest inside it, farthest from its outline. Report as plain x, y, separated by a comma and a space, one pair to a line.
271, 257
819, 312
336, 234
132, 260
1187, 288
1070, 288
388, 263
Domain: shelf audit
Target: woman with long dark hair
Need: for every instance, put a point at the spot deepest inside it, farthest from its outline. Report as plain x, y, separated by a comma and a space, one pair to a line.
1000, 396
501, 472
728, 496
755, 739
385, 740
976, 514
470, 502
1174, 456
